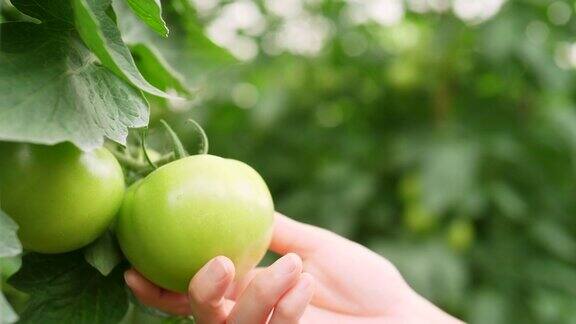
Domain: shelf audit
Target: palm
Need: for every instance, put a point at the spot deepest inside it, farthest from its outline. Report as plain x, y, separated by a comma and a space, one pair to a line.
353, 283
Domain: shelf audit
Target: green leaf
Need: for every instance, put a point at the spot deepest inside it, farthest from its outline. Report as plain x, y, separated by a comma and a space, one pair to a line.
9, 266
102, 36
454, 164
150, 12
555, 238
53, 90
10, 248
431, 268
145, 45
552, 306
64, 288
488, 306
104, 254
155, 68
507, 201
56, 11
140, 308
9, 244
190, 51
140, 314
7, 314
552, 274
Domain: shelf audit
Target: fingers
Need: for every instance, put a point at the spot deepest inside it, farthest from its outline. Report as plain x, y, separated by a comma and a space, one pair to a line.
292, 236
207, 290
151, 295
291, 307
265, 290
240, 284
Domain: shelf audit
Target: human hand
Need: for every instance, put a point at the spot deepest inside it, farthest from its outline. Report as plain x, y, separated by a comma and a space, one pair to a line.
322, 278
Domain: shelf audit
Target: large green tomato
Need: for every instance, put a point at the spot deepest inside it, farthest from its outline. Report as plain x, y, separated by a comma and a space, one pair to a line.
190, 211
62, 198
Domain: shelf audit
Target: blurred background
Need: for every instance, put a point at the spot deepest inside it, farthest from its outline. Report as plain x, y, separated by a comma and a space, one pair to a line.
439, 133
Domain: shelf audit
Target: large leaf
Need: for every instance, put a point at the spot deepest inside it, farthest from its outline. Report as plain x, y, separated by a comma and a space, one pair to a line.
9, 266
151, 63
65, 289
138, 315
104, 254
10, 248
7, 314
100, 33
150, 12
48, 11
145, 47
9, 244
192, 53
53, 90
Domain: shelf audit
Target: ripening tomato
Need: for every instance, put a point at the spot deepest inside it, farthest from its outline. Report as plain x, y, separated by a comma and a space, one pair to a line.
61, 198
191, 210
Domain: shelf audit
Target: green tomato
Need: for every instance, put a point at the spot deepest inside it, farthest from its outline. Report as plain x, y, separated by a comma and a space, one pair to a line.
461, 234
61, 198
418, 219
190, 211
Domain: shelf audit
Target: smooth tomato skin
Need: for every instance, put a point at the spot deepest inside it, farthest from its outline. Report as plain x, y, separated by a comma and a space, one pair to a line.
190, 211
61, 198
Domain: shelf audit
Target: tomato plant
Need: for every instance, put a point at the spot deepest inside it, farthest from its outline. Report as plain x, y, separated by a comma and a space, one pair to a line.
183, 211
75, 75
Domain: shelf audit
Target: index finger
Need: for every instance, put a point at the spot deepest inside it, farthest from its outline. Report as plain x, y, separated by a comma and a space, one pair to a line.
302, 239
151, 295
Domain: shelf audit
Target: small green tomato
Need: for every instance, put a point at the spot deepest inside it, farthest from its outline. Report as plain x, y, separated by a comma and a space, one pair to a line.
61, 198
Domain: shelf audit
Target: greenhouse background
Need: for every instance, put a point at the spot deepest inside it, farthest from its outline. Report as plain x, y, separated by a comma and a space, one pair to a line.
439, 133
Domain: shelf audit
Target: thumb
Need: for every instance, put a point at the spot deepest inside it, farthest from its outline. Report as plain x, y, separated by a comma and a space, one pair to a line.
292, 236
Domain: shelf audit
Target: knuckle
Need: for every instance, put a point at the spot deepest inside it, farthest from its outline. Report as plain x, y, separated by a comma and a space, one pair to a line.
196, 297
213, 304
260, 289
204, 300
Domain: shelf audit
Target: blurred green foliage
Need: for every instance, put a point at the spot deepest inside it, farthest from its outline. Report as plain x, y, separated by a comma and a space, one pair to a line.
447, 145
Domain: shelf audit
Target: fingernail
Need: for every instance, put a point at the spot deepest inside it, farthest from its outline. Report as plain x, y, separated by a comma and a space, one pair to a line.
287, 264
219, 269
128, 278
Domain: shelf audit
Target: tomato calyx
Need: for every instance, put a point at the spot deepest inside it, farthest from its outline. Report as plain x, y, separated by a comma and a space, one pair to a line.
178, 148
142, 161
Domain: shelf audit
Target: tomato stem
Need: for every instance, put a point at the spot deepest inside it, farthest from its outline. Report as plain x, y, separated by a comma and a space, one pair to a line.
128, 161
139, 166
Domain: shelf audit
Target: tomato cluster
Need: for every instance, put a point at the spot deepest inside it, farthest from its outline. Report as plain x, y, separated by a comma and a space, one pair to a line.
168, 224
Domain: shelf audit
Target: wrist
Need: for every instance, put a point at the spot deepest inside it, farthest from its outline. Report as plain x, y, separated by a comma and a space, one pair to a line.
422, 308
